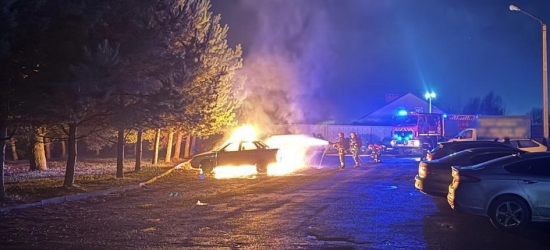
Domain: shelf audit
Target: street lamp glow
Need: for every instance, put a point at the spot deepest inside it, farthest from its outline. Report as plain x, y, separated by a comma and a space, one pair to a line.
544, 73
429, 96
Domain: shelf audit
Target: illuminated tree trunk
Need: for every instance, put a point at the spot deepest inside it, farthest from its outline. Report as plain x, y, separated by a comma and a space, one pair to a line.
169, 146
177, 150
120, 154
47, 148
139, 148
3, 137
71, 157
13, 149
193, 142
37, 156
63, 149
187, 147
156, 148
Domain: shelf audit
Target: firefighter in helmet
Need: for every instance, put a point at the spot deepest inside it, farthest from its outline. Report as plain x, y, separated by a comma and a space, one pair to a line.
355, 147
340, 145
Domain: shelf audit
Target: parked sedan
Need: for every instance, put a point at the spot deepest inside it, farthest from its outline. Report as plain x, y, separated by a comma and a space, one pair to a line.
388, 147
528, 145
447, 148
513, 190
434, 176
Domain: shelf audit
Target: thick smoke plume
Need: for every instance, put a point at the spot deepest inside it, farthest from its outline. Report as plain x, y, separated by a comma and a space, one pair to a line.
286, 63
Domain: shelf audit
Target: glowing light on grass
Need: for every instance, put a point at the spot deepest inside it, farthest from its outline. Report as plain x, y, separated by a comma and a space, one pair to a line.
242, 171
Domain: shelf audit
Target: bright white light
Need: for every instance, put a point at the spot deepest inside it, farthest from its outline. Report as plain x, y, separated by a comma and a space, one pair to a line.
514, 8
429, 95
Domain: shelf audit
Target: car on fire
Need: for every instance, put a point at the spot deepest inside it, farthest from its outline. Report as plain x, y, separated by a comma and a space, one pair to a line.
512, 191
434, 176
236, 153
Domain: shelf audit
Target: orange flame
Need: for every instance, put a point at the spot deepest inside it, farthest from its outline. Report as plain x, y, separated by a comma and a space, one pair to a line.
293, 153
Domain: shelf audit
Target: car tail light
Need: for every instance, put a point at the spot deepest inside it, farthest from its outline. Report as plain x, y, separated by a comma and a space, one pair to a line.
422, 169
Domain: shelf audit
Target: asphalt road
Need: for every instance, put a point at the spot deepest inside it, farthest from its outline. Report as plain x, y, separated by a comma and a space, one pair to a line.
372, 207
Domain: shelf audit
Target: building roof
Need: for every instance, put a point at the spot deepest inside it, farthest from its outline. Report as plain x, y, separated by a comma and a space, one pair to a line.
408, 102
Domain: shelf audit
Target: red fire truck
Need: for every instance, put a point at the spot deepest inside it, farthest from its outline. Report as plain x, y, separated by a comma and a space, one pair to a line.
413, 132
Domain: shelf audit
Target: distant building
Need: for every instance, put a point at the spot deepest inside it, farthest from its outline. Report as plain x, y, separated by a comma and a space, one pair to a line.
408, 102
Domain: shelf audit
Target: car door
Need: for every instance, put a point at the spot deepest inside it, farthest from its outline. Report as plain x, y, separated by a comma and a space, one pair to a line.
230, 155
535, 182
249, 153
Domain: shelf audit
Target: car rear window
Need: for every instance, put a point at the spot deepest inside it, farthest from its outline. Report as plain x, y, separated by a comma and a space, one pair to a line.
527, 144
449, 148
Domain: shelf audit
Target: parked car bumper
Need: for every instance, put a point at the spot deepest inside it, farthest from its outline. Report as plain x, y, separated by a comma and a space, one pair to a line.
430, 186
468, 205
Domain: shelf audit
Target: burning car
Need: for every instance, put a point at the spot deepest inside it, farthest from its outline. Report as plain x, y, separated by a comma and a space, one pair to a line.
236, 153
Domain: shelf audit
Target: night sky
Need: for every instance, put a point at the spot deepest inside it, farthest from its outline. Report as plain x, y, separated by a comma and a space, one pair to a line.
345, 55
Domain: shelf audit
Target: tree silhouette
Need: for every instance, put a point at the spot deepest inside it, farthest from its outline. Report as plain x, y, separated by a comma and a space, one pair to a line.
490, 104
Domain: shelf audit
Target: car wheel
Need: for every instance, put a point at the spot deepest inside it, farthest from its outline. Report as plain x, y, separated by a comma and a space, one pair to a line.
261, 167
509, 213
206, 167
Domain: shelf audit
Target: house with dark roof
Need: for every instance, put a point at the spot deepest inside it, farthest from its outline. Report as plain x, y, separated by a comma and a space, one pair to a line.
408, 102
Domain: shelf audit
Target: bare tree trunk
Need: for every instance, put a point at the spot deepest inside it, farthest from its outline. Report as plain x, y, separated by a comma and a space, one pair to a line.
3, 137
169, 146
139, 149
187, 147
71, 159
37, 157
156, 149
97, 152
177, 150
63, 149
193, 142
120, 154
13, 149
47, 148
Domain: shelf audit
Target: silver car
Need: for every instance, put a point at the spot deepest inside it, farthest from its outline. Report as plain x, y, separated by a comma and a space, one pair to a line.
512, 191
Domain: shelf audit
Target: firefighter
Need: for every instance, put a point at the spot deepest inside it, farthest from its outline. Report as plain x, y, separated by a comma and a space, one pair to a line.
340, 145
355, 147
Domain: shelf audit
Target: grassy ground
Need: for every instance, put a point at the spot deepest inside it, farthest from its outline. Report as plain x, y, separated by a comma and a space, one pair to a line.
23, 186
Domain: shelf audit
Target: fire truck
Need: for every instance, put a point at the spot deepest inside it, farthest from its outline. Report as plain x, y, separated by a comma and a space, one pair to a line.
413, 132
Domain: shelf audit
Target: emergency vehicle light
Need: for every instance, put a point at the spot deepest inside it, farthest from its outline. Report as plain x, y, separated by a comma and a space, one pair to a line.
402, 112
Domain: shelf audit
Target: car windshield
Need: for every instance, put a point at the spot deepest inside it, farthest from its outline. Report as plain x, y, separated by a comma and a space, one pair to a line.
407, 120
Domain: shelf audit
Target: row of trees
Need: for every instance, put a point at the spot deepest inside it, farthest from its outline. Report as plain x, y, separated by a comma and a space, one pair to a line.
113, 69
490, 104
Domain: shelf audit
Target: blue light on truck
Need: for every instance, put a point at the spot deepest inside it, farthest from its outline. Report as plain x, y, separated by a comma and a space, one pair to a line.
402, 112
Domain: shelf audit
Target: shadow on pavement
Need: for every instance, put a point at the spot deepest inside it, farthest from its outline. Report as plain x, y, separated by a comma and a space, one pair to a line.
449, 229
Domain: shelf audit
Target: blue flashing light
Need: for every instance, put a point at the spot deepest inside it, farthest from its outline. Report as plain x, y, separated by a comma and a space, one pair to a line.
444, 116
402, 112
